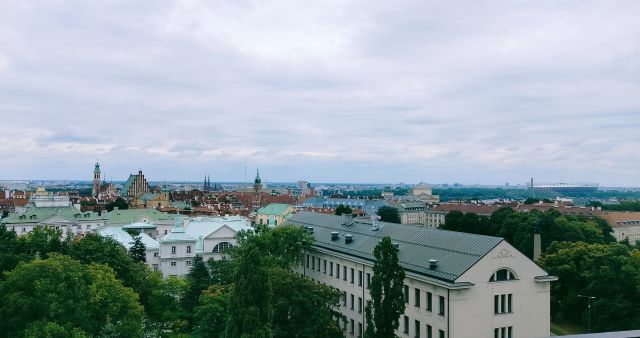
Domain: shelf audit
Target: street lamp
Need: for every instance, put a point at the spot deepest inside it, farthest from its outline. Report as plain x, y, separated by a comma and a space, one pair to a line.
589, 298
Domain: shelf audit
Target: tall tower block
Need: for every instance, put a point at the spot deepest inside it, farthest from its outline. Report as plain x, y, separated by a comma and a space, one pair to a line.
96, 180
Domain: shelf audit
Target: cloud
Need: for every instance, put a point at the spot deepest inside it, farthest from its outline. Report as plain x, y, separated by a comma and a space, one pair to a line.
322, 90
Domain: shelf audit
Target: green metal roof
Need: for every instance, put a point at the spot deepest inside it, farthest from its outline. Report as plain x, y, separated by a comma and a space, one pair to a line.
127, 185
277, 209
34, 214
456, 252
129, 216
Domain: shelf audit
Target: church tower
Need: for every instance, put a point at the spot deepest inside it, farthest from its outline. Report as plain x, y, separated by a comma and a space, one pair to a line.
257, 190
96, 181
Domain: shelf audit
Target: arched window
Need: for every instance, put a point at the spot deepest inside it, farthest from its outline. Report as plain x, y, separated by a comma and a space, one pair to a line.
222, 247
503, 275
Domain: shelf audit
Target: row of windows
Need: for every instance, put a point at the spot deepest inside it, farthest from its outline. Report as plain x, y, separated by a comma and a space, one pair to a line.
352, 304
416, 329
503, 303
429, 300
352, 325
503, 332
315, 263
173, 249
173, 264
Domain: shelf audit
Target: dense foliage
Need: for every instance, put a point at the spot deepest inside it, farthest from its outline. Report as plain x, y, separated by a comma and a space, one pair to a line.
120, 203
387, 301
94, 287
389, 214
343, 209
608, 272
518, 227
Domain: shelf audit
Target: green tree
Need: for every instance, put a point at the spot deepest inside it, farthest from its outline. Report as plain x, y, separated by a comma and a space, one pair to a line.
387, 299
221, 271
210, 316
5, 213
250, 308
198, 279
42, 329
60, 290
389, 214
343, 209
120, 203
608, 272
138, 250
302, 308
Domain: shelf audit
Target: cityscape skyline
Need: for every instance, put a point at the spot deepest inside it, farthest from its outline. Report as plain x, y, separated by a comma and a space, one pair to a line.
355, 93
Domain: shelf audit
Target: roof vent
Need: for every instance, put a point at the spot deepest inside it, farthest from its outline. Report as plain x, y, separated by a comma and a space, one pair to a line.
334, 235
433, 263
348, 238
375, 228
310, 229
396, 245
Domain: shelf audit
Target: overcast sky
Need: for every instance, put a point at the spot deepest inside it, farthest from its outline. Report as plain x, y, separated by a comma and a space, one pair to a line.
328, 91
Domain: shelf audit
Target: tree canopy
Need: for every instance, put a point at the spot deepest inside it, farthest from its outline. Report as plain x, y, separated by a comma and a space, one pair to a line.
389, 214
343, 209
387, 298
60, 293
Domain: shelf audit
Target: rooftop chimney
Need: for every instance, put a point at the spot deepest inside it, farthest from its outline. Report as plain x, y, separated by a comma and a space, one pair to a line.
334, 235
537, 246
433, 264
348, 238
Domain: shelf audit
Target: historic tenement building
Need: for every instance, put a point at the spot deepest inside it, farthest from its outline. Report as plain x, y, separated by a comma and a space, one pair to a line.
457, 285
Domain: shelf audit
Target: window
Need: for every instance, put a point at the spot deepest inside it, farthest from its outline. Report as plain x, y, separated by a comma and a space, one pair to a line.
429, 301
155, 254
441, 333
308, 258
344, 324
222, 247
318, 267
502, 275
368, 280
417, 328
337, 270
165, 232
188, 248
429, 331
359, 278
359, 304
405, 328
503, 303
188, 263
330, 268
351, 326
313, 263
324, 266
359, 330
173, 264
352, 301
441, 309
503, 332
155, 267
173, 250
344, 298
352, 275
416, 297
344, 273
406, 294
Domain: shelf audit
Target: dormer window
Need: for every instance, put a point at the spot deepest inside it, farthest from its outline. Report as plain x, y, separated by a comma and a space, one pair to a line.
503, 275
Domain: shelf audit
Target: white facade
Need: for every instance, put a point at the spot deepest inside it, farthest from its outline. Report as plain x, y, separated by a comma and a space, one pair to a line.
434, 219
474, 304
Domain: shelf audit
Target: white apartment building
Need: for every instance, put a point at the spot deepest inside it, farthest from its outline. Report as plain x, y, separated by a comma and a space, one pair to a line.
177, 251
457, 285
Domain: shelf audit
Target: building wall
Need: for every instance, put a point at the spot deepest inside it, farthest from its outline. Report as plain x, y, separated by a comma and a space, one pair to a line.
434, 219
467, 312
632, 232
182, 259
